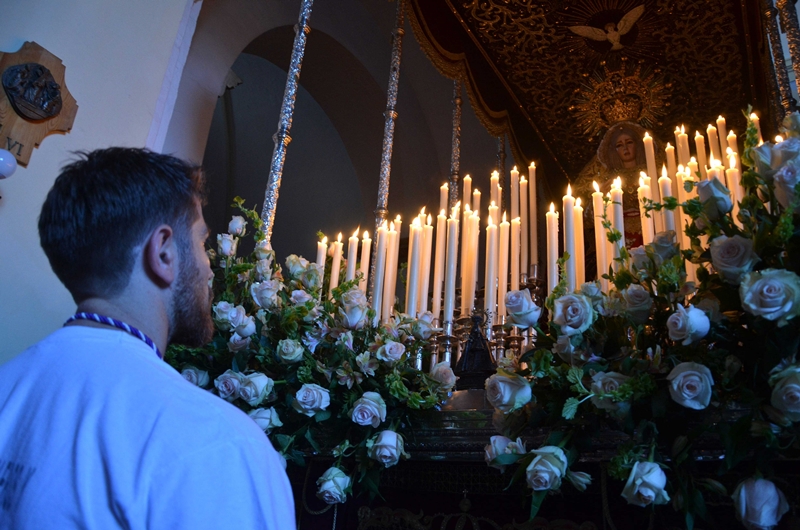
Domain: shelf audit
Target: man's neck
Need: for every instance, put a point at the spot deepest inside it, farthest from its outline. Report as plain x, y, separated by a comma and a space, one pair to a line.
150, 324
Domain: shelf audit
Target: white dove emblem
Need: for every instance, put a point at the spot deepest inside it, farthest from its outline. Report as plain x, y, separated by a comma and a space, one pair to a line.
612, 32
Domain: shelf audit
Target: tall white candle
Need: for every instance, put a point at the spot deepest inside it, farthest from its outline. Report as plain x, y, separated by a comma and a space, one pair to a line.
672, 166
713, 142
466, 194
533, 218
391, 270
757, 123
466, 258
398, 225
322, 253
439, 263
692, 168
474, 235
444, 196
700, 144
733, 178
551, 218
580, 258
476, 201
598, 211
723, 135
336, 264
425, 270
733, 142
684, 240
380, 271
494, 188
515, 253
514, 194
650, 155
683, 146
647, 222
523, 225
665, 185
568, 202
493, 212
502, 268
450, 262
366, 247
617, 219
352, 256
415, 242
490, 290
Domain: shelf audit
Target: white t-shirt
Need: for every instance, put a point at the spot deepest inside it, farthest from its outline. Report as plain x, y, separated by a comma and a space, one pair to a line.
97, 432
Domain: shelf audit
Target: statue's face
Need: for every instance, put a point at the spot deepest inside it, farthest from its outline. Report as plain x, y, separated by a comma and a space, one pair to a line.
626, 149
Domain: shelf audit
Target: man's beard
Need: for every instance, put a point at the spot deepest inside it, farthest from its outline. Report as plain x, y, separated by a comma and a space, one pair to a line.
191, 307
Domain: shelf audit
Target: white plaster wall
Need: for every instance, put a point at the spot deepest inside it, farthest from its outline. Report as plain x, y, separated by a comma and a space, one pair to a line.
116, 53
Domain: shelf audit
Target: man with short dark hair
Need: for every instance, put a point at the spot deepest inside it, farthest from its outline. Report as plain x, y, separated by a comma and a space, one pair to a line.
96, 431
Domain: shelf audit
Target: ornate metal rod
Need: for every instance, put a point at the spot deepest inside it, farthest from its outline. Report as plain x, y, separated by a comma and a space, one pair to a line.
782, 75
281, 137
501, 168
791, 27
455, 153
390, 115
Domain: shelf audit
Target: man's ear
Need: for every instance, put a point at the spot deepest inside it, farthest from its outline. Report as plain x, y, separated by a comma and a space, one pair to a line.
161, 256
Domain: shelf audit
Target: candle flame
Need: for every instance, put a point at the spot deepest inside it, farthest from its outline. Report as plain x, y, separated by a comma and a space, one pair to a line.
732, 162
415, 223
467, 177
325, 240
681, 168
552, 208
663, 171
778, 139
677, 130
476, 192
683, 130
428, 223
355, 234
646, 135
467, 208
533, 165
668, 146
569, 190
445, 186
712, 162
339, 239
514, 168
617, 183
698, 135
720, 118
490, 224
391, 226
366, 234
692, 160
504, 217
495, 174
454, 212
578, 202
753, 116
729, 151
595, 186
397, 219
711, 128
641, 182
523, 180
422, 212
493, 205
441, 212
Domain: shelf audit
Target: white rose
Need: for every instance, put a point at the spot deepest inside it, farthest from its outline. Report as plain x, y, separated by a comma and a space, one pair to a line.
391, 352
664, 246
732, 257
573, 314
386, 448
300, 297
222, 318
263, 250
497, 446
638, 303
247, 327
422, 328
354, 309
716, 198
310, 399
690, 385
255, 388
237, 225
759, 504
564, 349
311, 278
236, 317
296, 265
228, 385
290, 351
786, 394
226, 245
507, 393
238, 343
369, 409
265, 293
606, 383
195, 376
264, 268
521, 309
266, 419
770, 157
785, 180
592, 291
442, 373
645, 485
688, 324
773, 294
639, 257
546, 469
333, 485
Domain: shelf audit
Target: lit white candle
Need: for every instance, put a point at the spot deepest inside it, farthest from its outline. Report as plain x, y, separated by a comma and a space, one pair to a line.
380, 271
672, 166
617, 218
439, 263
476, 201
692, 168
757, 123
733, 177
650, 155
551, 218
366, 247
523, 225
682, 146
712, 171
733, 142
466, 258
425, 271
474, 235
700, 144
778, 138
568, 207
451, 262
691, 269
532, 216
723, 134
598, 211
467, 190
444, 196
502, 269
352, 256
490, 289
322, 252
336, 263
684, 240
415, 242
493, 212
665, 185
713, 142
391, 271
398, 225
580, 258
515, 251
647, 222
514, 195
494, 188
735, 162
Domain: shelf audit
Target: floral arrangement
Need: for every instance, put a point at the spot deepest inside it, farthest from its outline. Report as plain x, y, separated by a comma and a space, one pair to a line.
314, 369
674, 364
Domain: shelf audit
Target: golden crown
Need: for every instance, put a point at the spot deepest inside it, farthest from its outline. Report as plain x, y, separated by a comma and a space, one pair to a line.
624, 94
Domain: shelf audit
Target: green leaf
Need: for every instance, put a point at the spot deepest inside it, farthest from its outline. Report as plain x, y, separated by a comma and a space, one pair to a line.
283, 440
311, 440
322, 415
570, 408
506, 459
536, 502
